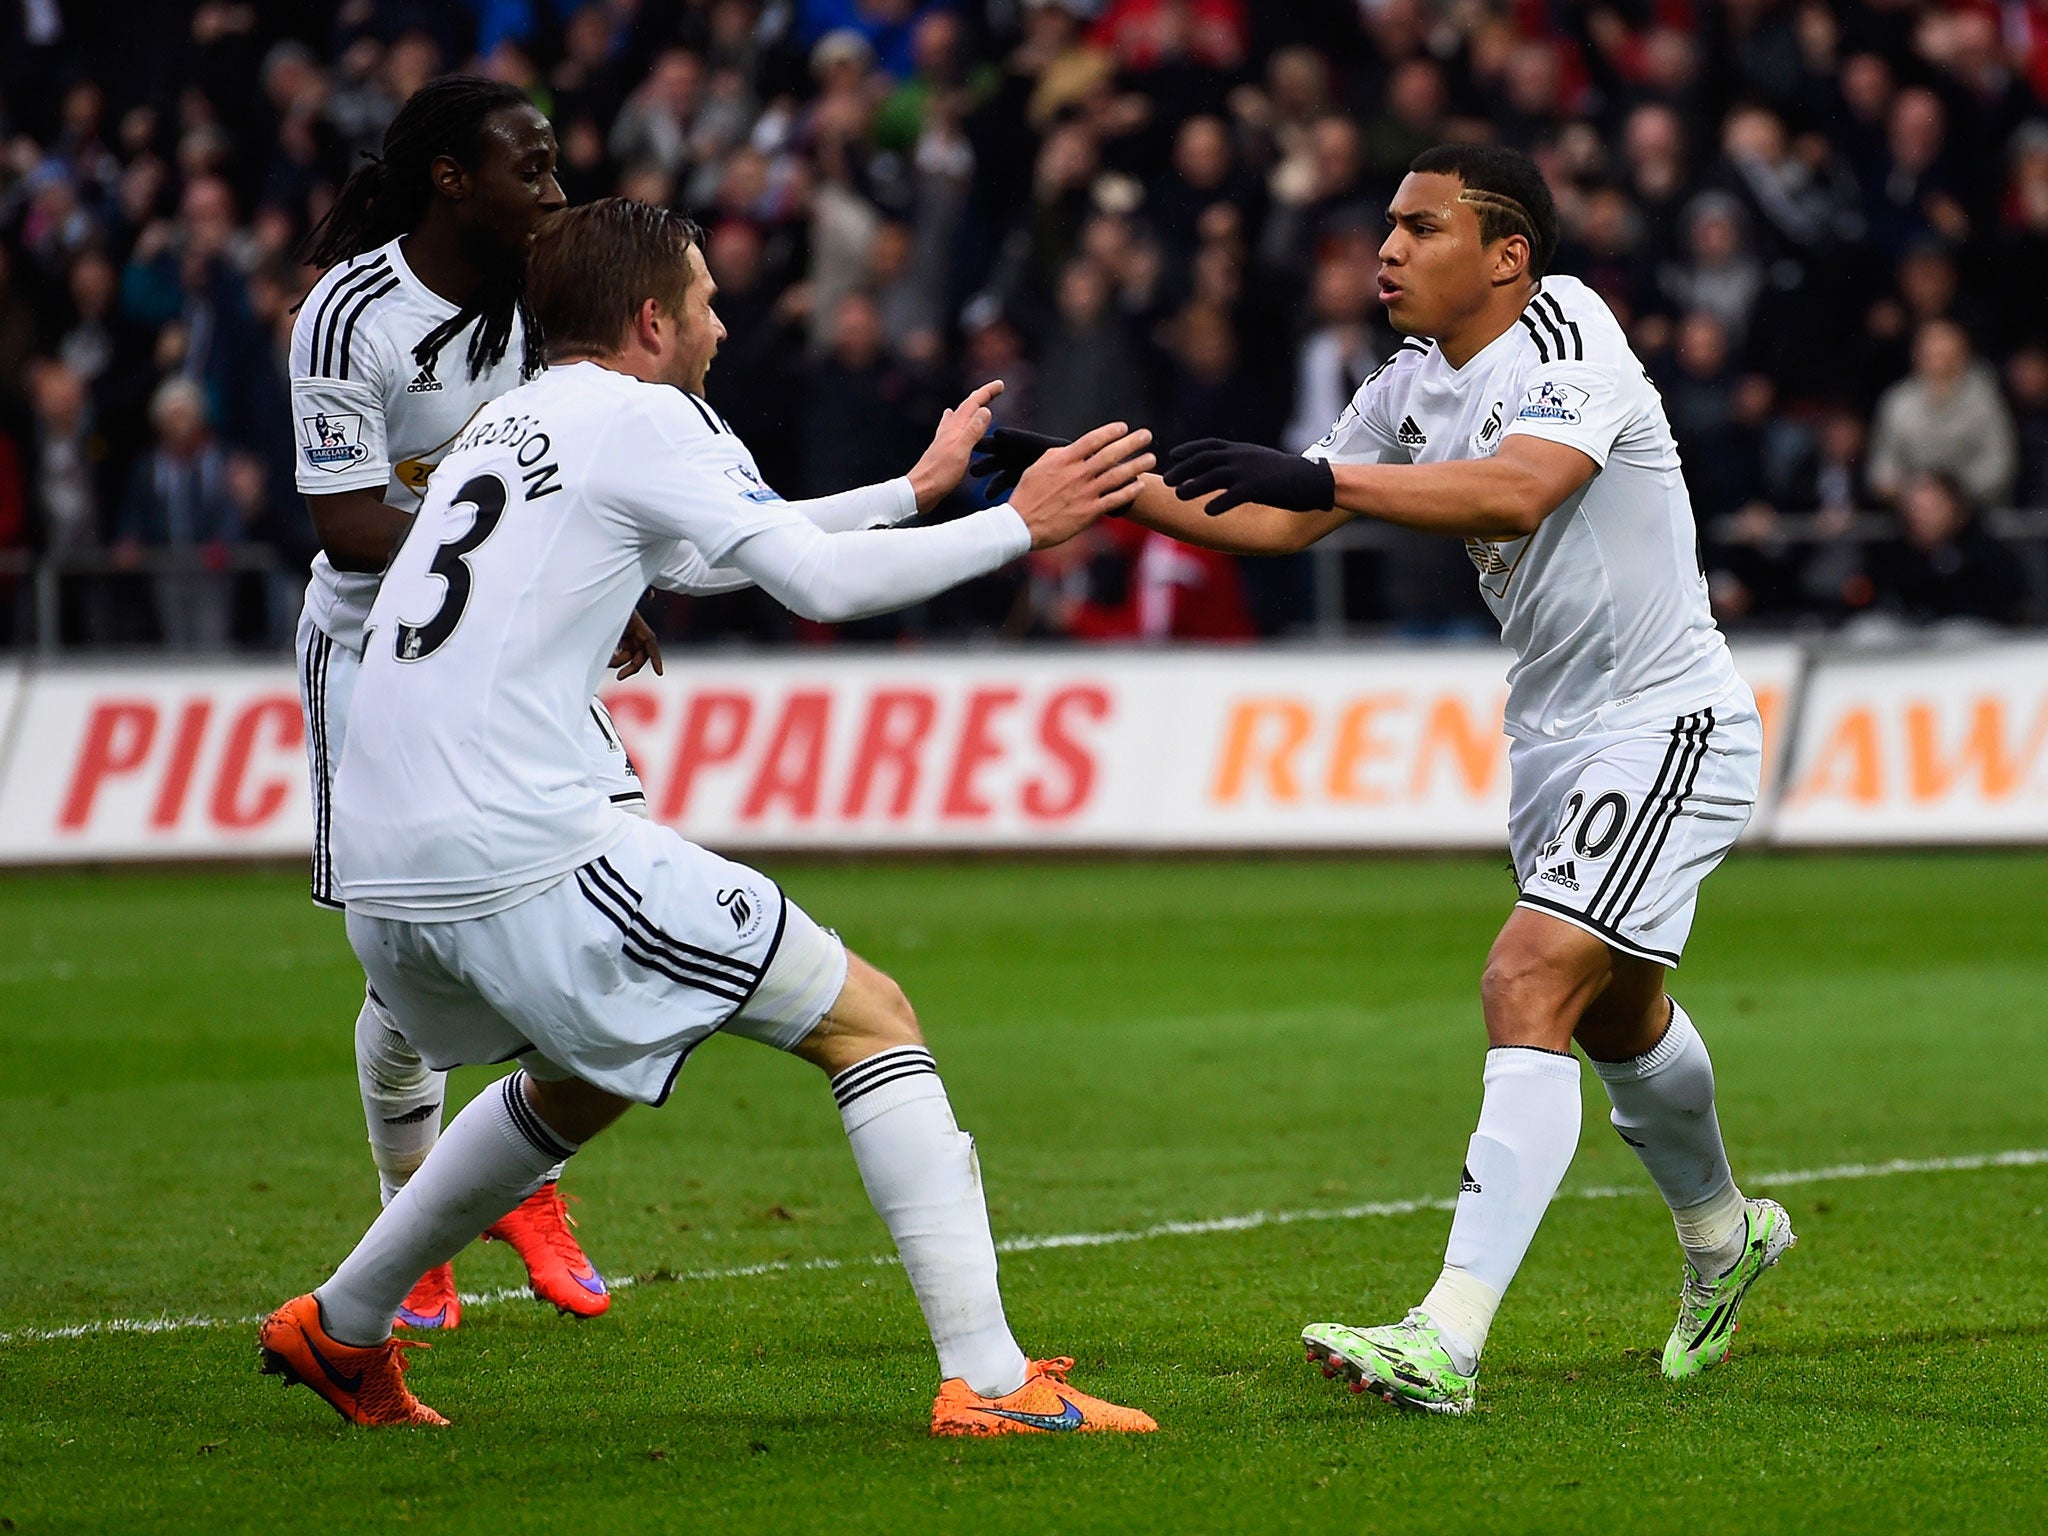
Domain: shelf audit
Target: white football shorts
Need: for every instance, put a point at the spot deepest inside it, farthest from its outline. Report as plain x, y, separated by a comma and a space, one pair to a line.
1614, 831
613, 974
327, 680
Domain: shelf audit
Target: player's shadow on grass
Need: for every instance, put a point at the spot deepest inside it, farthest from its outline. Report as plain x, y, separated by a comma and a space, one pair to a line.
1891, 1341
1759, 1352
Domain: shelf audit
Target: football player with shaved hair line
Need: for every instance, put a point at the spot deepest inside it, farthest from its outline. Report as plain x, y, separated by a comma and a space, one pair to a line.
1515, 417
505, 909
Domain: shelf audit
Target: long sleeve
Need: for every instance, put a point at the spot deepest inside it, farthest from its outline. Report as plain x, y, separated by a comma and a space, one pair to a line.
868, 506
835, 577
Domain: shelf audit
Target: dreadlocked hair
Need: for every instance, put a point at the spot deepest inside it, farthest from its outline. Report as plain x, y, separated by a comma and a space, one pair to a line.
389, 194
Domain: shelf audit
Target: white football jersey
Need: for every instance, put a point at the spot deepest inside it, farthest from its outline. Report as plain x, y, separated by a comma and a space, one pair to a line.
1605, 605
465, 783
366, 415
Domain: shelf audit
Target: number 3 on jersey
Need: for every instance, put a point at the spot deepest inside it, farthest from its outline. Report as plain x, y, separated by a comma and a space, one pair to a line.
487, 494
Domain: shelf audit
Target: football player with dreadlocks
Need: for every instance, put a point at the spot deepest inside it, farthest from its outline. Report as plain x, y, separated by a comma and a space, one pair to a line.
419, 320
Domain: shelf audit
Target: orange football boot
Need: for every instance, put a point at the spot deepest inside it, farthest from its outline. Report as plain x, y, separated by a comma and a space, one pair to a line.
556, 1266
364, 1386
1044, 1405
433, 1302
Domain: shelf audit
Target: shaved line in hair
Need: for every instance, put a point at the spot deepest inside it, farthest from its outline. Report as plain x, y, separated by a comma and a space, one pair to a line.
1502, 203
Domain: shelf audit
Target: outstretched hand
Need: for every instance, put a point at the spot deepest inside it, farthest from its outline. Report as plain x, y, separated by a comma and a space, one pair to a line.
1006, 453
1072, 486
1246, 472
944, 463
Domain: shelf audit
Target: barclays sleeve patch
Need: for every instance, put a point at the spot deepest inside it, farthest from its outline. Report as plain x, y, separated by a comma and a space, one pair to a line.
750, 485
1550, 401
333, 441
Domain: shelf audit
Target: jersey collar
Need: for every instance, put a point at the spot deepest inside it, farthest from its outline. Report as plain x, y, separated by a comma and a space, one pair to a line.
1478, 362
412, 284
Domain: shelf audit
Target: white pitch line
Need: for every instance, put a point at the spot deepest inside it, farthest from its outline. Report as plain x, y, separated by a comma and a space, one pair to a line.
2029, 1157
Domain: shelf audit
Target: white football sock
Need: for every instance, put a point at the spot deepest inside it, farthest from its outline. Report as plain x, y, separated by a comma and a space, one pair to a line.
925, 1182
402, 1098
1528, 1131
1664, 1108
493, 1155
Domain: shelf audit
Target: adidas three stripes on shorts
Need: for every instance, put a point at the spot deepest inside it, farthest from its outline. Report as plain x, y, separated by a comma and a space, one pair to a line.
1614, 831
614, 974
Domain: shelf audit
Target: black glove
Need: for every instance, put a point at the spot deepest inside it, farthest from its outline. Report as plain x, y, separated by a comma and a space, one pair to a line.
1246, 472
1006, 453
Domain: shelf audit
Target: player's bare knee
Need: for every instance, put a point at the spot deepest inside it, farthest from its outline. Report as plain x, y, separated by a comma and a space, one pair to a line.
871, 1014
898, 1019
1518, 974
1532, 995
573, 1109
874, 1009
1517, 985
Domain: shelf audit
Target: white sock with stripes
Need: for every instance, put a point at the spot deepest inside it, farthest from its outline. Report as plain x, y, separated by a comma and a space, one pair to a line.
492, 1156
402, 1099
1528, 1131
925, 1182
1664, 1108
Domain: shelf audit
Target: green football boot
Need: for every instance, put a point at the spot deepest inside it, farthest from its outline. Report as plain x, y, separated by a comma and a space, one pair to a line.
1405, 1363
1705, 1333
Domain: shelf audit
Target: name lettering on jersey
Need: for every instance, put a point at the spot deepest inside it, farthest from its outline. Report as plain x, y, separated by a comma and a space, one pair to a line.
333, 441
496, 429
1552, 401
752, 487
530, 446
538, 478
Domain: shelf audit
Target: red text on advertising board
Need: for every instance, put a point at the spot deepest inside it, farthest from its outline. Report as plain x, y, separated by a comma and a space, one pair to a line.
125, 741
810, 754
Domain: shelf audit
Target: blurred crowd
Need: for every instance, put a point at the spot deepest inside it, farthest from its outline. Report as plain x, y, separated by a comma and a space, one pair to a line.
1823, 222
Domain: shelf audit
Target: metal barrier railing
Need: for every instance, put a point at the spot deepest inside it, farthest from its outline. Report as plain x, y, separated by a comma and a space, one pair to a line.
2026, 530
46, 576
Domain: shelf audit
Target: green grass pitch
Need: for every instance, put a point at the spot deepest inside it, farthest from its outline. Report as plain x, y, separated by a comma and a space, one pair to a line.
1132, 1043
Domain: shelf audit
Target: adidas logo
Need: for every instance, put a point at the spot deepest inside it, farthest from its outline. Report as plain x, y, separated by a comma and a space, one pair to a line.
424, 383
1410, 435
1467, 1185
1565, 874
